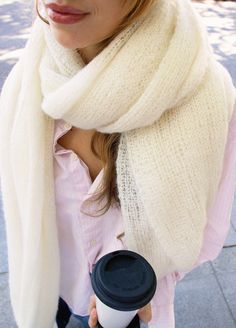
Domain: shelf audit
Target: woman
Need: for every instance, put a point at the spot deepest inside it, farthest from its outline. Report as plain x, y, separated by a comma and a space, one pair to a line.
117, 132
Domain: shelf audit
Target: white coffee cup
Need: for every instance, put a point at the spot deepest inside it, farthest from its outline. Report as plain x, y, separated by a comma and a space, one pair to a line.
123, 282
120, 319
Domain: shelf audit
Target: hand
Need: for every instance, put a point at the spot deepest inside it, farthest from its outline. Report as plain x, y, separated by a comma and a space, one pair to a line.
145, 313
93, 317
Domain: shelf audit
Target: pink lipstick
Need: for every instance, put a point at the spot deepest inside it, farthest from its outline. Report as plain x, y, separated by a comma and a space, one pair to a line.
65, 14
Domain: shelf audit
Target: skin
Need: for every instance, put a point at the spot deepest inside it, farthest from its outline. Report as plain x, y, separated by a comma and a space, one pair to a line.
104, 16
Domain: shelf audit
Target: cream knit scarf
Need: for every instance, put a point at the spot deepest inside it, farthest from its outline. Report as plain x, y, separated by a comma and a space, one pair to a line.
158, 84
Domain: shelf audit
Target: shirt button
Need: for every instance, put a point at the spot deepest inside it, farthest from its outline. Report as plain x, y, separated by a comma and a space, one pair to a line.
67, 126
93, 242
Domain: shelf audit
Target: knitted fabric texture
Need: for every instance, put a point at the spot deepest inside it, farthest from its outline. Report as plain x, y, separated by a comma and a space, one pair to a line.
159, 85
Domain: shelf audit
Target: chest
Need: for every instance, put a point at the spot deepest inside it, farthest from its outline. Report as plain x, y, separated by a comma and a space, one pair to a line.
79, 141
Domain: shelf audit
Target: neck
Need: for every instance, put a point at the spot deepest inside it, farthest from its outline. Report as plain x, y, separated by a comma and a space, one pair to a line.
88, 53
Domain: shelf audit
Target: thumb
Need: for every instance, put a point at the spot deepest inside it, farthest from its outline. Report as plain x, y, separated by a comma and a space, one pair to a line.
145, 313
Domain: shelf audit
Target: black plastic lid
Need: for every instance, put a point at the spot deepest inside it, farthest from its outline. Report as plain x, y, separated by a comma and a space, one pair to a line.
124, 280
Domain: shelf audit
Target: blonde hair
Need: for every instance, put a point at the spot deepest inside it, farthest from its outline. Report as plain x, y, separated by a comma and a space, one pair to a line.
105, 146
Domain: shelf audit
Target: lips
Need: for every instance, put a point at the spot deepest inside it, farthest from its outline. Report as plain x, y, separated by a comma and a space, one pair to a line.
65, 9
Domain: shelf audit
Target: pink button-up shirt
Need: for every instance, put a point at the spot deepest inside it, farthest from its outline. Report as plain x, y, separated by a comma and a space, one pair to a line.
84, 239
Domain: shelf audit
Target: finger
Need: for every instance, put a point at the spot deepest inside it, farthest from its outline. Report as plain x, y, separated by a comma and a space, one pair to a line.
93, 319
92, 303
145, 313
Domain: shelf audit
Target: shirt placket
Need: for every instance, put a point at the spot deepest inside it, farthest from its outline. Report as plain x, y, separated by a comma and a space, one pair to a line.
89, 228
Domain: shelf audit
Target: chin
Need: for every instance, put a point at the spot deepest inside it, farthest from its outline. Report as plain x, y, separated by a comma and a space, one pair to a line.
67, 40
